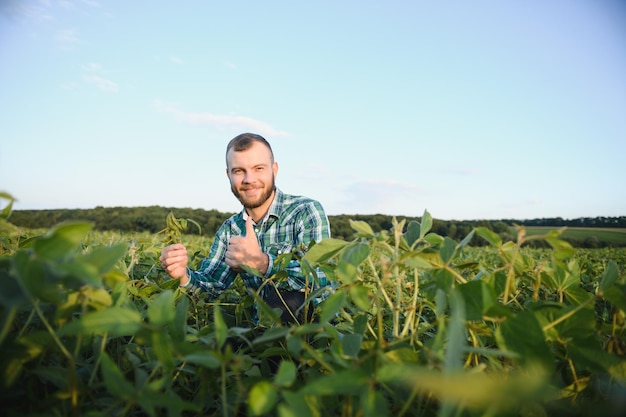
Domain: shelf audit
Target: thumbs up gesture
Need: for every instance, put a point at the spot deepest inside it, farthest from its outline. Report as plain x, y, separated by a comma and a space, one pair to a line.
245, 250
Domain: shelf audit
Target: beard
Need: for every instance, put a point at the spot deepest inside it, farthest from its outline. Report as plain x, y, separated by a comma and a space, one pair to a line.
250, 203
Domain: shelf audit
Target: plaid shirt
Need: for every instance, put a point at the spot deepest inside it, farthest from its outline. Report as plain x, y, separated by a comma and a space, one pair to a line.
291, 221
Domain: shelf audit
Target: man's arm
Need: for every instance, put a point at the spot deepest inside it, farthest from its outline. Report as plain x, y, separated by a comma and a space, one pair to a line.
311, 224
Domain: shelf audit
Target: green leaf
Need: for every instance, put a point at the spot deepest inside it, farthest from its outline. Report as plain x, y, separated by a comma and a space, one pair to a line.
562, 248
351, 344
105, 258
61, 240
55, 375
466, 239
6, 211
609, 277
478, 297
433, 239
616, 295
114, 379
562, 278
490, 236
362, 228
374, 403
178, 330
324, 250
116, 321
346, 273
577, 295
359, 294
360, 323
275, 333
427, 223
153, 399
299, 405
11, 294
523, 334
205, 358
34, 274
263, 396
412, 233
588, 354
419, 260
471, 390
331, 306
161, 309
221, 330
455, 334
162, 347
444, 280
349, 381
355, 253
447, 250
286, 375
75, 270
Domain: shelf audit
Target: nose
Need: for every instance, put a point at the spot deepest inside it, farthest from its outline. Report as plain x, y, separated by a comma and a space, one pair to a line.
249, 177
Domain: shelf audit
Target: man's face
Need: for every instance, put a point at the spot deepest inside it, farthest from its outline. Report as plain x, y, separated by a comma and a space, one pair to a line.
251, 174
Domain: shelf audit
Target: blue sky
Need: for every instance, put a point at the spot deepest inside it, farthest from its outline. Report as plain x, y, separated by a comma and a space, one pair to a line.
467, 109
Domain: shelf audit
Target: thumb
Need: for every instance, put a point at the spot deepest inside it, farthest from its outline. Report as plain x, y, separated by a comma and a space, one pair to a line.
250, 227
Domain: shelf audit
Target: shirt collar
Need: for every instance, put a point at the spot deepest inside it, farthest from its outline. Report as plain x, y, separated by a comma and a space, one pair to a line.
274, 209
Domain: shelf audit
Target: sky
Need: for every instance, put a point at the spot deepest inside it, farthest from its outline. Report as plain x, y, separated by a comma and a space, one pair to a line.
466, 109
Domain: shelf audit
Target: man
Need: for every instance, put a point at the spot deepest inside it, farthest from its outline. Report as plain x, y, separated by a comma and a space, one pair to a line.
271, 223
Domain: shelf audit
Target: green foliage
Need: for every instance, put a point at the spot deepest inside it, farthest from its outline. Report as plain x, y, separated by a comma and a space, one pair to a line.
420, 325
596, 232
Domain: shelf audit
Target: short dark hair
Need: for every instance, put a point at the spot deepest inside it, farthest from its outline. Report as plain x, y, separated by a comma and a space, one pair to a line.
244, 141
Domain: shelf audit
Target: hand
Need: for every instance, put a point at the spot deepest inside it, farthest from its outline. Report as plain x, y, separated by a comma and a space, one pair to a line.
245, 250
174, 261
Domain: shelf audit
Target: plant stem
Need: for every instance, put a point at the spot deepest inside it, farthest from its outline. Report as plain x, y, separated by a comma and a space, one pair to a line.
567, 315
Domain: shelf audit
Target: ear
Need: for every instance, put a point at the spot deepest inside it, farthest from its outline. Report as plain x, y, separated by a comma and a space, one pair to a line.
275, 168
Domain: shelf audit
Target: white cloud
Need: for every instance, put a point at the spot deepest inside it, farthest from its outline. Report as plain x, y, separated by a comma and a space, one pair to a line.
230, 65
176, 60
92, 3
92, 67
17, 9
218, 121
95, 75
68, 37
102, 83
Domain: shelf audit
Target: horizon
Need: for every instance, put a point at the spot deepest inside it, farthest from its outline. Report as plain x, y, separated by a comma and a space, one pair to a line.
331, 215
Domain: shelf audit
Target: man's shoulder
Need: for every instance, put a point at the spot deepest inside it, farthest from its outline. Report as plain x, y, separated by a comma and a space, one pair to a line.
292, 201
292, 205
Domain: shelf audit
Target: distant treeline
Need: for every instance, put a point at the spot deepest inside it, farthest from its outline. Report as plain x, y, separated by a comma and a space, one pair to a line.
152, 219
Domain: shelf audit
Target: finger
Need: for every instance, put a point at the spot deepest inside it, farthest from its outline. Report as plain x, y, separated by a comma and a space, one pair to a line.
250, 227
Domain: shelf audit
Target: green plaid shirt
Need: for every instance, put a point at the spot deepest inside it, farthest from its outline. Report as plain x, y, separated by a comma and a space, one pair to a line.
291, 221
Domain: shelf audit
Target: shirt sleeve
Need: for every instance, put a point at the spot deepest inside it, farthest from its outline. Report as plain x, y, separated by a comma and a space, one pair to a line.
213, 276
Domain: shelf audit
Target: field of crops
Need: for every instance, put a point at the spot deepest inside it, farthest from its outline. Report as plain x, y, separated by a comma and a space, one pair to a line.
616, 236
420, 325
